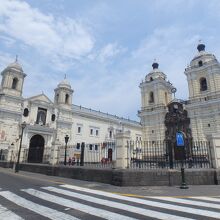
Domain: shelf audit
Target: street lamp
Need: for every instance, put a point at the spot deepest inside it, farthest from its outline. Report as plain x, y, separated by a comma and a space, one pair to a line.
66, 141
23, 125
180, 143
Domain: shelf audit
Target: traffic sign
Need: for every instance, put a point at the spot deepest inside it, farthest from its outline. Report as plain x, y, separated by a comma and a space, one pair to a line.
179, 139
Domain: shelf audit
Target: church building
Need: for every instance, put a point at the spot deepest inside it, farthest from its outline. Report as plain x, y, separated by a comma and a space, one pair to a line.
48, 122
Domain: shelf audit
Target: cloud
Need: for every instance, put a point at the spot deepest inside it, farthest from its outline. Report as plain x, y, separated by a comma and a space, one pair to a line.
107, 53
115, 88
60, 38
173, 47
5, 59
8, 41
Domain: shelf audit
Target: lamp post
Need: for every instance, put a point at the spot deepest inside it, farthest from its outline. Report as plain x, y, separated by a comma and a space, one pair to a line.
180, 143
23, 125
66, 141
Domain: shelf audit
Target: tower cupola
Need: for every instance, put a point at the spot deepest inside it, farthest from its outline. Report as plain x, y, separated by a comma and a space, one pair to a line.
63, 93
155, 73
13, 79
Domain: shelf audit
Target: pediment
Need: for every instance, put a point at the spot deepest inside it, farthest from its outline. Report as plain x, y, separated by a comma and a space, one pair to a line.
40, 98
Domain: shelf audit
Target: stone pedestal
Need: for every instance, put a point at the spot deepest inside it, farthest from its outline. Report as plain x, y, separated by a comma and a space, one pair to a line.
122, 138
54, 159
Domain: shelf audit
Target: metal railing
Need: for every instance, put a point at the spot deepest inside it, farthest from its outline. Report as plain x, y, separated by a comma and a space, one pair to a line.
99, 155
165, 155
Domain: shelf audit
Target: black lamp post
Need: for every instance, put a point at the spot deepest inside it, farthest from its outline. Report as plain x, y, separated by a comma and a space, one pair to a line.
66, 141
23, 125
183, 181
182, 145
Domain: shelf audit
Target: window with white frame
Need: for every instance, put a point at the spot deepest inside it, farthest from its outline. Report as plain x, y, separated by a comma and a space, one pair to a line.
94, 131
96, 147
110, 134
138, 137
79, 128
90, 147
97, 132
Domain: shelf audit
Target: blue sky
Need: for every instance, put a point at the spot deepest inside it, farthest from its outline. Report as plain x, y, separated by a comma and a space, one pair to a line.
106, 47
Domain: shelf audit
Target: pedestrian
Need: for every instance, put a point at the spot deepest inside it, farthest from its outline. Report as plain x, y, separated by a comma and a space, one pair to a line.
73, 161
69, 161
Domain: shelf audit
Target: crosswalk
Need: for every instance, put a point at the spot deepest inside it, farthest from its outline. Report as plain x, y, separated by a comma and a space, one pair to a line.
69, 202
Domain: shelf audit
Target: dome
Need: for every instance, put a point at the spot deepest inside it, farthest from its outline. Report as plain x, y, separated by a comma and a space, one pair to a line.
155, 73
64, 84
202, 56
15, 66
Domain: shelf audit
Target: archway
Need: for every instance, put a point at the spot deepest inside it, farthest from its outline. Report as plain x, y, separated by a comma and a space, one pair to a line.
36, 149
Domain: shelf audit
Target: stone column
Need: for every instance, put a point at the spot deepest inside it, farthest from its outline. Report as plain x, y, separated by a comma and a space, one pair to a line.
122, 138
215, 150
55, 153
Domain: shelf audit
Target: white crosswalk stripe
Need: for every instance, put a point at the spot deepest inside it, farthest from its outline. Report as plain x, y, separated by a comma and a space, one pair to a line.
211, 199
189, 202
177, 207
7, 214
75, 205
117, 205
42, 210
64, 197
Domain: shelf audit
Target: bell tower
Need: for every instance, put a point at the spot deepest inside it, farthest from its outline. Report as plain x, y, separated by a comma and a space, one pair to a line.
155, 96
13, 79
203, 77
63, 94
11, 105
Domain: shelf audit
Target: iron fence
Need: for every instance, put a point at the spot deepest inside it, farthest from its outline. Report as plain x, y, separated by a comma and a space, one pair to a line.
89, 154
166, 155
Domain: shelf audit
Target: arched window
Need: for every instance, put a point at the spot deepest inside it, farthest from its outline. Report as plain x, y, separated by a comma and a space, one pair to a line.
53, 117
151, 97
200, 63
26, 112
203, 84
57, 98
14, 83
67, 99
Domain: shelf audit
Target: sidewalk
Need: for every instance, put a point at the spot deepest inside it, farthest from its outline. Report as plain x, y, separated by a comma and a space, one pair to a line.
200, 190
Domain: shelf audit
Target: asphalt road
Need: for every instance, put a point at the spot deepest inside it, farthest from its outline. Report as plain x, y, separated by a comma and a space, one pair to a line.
26, 195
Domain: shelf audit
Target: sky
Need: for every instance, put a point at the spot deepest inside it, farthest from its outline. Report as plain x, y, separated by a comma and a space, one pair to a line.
105, 47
